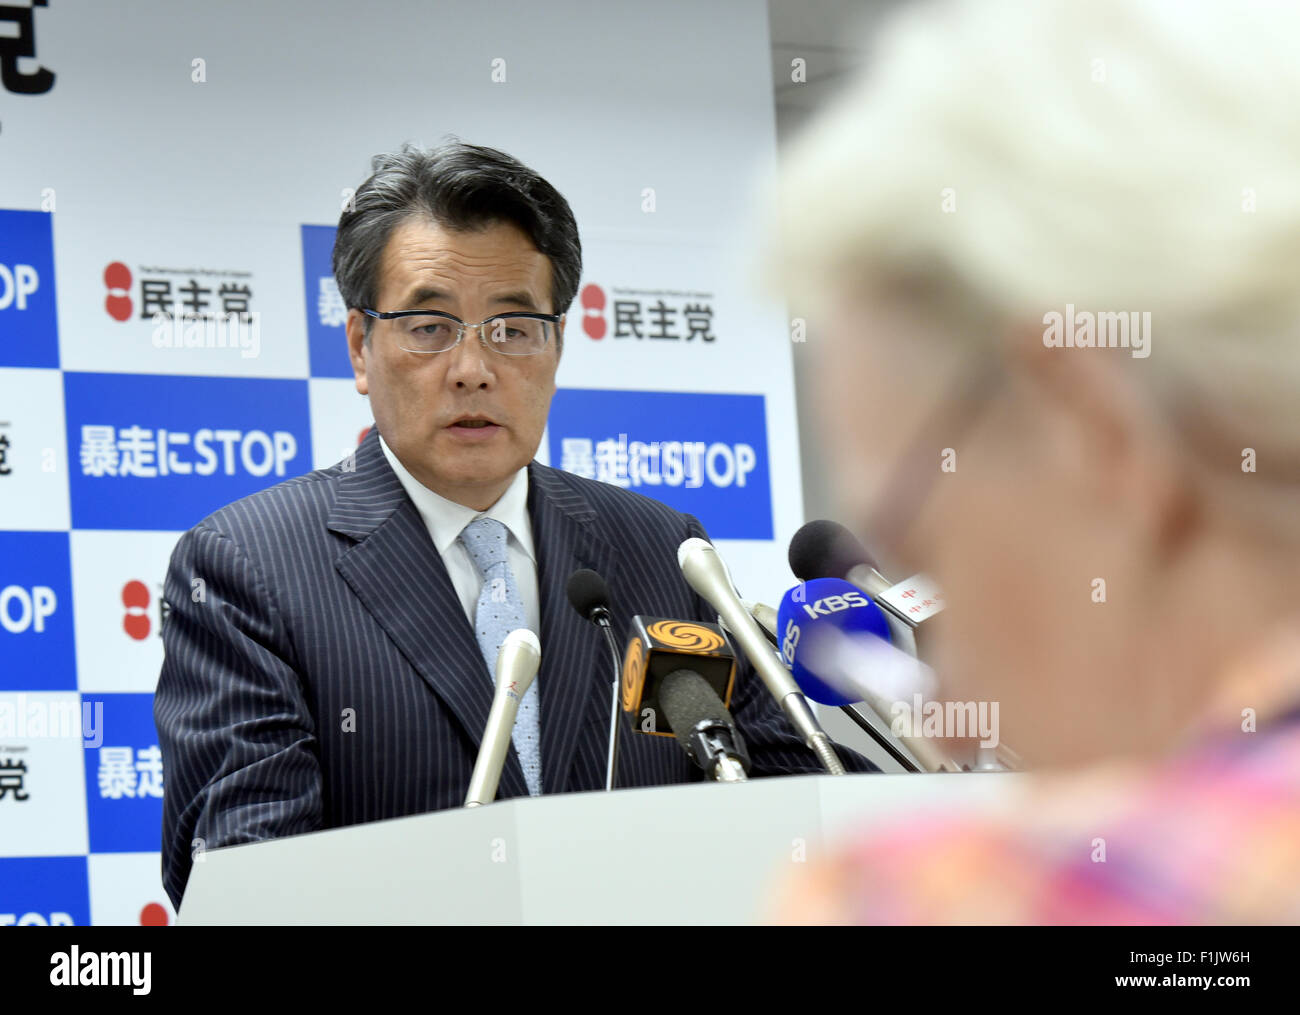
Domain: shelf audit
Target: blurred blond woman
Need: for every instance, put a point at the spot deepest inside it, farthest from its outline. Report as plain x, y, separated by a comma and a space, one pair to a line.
1051, 256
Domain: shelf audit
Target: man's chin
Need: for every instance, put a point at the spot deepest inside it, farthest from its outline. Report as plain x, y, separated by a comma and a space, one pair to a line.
475, 468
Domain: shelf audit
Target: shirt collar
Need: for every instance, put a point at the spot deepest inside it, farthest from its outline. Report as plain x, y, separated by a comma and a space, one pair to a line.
445, 519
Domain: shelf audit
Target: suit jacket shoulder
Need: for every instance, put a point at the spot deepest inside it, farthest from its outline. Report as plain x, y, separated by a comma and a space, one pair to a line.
626, 518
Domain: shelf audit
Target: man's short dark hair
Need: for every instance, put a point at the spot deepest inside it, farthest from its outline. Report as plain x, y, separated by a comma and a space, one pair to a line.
460, 186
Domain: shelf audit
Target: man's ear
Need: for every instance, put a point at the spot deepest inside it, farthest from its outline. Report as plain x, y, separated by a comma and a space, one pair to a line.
1099, 419
358, 348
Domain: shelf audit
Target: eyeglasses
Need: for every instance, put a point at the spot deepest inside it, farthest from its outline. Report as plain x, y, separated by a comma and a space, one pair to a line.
430, 331
913, 479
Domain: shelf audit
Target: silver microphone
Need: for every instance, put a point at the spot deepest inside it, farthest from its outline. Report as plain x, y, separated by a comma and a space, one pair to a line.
517, 663
764, 615
706, 572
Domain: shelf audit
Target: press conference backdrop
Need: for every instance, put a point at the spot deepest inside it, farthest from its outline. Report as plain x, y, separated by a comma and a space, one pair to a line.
191, 159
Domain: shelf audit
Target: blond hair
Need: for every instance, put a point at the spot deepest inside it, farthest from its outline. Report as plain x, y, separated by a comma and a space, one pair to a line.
1118, 155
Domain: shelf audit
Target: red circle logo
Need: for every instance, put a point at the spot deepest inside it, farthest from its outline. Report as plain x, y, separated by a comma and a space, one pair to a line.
117, 279
135, 597
593, 310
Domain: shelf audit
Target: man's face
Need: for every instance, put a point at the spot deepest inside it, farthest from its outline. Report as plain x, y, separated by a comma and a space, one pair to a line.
429, 407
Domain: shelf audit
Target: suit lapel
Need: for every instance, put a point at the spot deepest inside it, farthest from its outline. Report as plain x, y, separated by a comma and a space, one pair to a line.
398, 575
574, 682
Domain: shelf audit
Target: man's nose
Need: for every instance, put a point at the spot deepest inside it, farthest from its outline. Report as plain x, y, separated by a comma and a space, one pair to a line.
470, 366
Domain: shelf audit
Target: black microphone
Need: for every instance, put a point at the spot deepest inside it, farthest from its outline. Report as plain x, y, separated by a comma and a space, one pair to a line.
589, 595
703, 726
659, 646
826, 549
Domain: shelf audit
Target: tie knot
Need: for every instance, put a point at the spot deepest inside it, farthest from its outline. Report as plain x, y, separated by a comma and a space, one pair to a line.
485, 539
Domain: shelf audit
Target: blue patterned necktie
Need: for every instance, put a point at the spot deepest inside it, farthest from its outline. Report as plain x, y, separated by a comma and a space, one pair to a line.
498, 612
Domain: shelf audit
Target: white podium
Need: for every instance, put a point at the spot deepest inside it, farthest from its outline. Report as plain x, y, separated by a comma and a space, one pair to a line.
696, 854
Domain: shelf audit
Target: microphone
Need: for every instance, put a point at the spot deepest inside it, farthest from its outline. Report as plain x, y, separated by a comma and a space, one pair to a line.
867, 669
707, 574
517, 663
825, 601
703, 726
659, 647
763, 615
807, 612
589, 595
826, 549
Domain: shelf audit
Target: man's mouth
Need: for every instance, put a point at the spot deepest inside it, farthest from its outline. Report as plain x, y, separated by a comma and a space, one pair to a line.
474, 423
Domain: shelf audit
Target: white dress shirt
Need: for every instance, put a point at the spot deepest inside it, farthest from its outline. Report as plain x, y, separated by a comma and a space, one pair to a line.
445, 519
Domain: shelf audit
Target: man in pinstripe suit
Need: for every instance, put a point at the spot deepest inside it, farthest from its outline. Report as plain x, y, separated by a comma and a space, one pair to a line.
335, 668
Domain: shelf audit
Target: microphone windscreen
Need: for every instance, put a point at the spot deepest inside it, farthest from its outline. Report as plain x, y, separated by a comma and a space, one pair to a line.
587, 592
812, 608
685, 698
825, 549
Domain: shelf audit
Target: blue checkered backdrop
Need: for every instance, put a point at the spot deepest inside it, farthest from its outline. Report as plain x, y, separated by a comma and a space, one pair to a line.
171, 336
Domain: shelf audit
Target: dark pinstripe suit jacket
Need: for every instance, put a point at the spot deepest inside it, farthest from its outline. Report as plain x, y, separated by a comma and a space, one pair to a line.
324, 673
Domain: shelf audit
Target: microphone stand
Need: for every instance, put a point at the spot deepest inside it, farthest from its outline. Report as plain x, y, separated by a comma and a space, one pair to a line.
600, 617
865, 725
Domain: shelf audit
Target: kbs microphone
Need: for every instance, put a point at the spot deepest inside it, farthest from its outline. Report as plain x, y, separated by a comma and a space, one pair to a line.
589, 595
703, 726
807, 611
707, 574
826, 549
659, 647
829, 601
517, 662
837, 659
